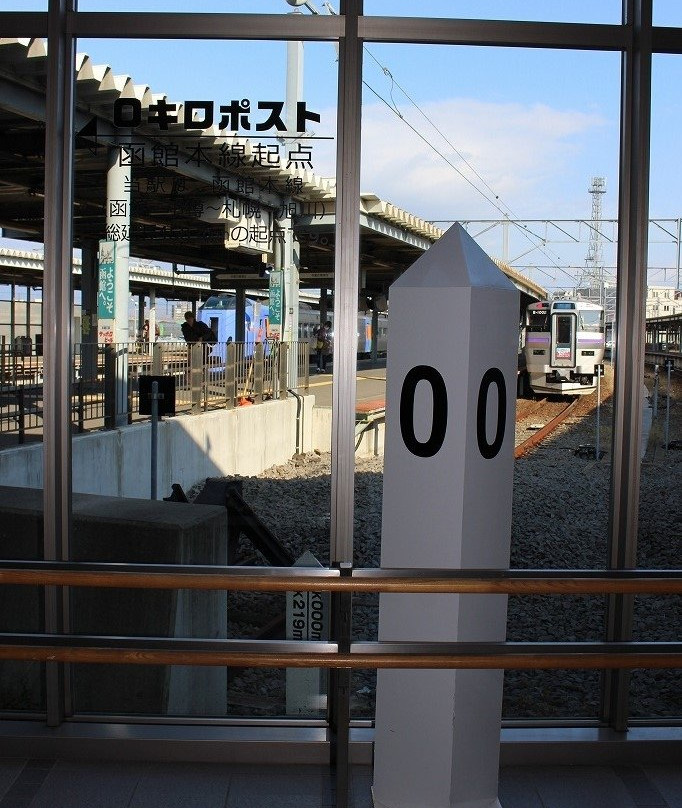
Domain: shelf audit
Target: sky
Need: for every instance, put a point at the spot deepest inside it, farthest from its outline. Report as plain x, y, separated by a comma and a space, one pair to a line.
450, 133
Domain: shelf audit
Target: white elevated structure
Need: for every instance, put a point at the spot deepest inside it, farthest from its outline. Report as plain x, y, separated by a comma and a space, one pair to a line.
447, 504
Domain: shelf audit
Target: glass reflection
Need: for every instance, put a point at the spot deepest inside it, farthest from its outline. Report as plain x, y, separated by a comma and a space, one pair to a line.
206, 193
447, 146
183, 6
655, 693
531, 10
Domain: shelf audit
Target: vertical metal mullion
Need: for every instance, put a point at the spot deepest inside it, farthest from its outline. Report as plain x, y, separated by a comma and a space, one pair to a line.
58, 297
339, 687
347, 260
630, 312
347, 263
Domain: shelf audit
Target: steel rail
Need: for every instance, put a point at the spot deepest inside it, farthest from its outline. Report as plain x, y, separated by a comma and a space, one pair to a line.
546, 430
288, 579
287, 654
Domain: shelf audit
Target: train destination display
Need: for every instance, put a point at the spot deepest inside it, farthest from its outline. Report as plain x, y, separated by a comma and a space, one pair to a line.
447, 500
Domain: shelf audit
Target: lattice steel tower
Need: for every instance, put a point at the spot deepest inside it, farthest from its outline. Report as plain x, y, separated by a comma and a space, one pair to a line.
593, 284
595, 257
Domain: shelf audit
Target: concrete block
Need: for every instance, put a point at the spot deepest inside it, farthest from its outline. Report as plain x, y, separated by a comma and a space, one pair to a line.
112, 529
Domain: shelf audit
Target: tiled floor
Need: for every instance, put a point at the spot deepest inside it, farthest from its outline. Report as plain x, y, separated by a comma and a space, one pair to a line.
64, 784
591, 787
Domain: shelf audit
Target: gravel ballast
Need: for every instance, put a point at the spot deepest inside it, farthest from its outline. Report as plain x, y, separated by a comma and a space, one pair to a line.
559, 520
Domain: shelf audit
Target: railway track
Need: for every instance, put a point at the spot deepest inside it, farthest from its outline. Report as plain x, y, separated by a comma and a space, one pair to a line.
542, 417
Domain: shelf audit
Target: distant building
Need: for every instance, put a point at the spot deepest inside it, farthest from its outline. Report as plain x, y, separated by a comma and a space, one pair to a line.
663, 301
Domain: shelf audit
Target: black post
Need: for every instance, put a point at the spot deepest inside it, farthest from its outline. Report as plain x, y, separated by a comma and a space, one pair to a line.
339, 692
80, 405
154, 437
21, 414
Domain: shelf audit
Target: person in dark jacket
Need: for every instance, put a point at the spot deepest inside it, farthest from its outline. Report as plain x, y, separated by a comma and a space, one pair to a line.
323, 345
194, 330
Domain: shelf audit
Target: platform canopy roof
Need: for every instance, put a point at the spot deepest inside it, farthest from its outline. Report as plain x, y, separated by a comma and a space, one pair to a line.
184, 203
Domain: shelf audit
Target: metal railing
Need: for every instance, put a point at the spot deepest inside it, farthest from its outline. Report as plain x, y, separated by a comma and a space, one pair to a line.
206, 377
339, 654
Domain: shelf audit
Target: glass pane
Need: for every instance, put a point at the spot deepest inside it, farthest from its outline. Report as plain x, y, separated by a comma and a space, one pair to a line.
22, 608
655, 693
667, 12
26, 5
487, 157
608, 11
204, 221
202, 7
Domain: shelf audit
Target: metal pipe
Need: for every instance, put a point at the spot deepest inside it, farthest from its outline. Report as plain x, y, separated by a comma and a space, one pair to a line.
299, 409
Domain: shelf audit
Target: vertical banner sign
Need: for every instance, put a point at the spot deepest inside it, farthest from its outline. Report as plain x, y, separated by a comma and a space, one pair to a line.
106, 292
448, 473
275, 306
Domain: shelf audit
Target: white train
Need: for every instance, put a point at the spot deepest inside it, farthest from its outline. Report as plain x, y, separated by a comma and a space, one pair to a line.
219, 312
563, 342
309, 320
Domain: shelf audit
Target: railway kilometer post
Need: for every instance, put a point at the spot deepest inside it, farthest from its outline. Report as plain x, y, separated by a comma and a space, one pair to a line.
307, 618
448, 472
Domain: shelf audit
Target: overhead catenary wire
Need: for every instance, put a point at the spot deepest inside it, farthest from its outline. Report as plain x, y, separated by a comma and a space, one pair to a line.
496, 198
490, 196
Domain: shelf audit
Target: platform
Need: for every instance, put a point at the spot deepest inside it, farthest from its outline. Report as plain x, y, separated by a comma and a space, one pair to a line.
66, 784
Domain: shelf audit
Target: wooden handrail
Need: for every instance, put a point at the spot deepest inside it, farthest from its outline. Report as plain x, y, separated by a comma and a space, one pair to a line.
516, 661
511, 582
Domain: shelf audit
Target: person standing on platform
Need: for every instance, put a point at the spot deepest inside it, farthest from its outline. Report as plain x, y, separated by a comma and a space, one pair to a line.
194, 330
145, 332
323, 345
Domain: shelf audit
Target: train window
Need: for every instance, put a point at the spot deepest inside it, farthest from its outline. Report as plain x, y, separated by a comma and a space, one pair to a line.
591, 320
563, 330
220, 302
538, 320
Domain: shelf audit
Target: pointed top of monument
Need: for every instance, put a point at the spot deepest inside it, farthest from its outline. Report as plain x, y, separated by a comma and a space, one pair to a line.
455, 260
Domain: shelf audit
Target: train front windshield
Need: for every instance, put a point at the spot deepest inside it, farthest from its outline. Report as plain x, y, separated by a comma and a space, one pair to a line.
220, 302
538, 320
591, 320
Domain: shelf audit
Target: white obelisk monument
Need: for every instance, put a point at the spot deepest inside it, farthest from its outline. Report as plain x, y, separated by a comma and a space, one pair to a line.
448, 472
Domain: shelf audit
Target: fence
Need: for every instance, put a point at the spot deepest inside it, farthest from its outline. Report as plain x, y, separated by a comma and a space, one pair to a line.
223, 375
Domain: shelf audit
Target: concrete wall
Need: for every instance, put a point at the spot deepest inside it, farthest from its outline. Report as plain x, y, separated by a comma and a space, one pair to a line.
116, 462
369, 435
246, 441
